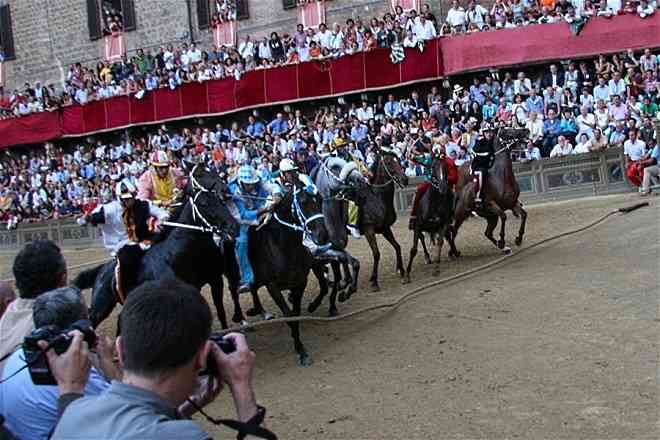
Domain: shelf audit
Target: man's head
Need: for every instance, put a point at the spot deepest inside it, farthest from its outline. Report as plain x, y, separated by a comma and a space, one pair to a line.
165, 326
632, 134
61, 307
38, 268
6, 296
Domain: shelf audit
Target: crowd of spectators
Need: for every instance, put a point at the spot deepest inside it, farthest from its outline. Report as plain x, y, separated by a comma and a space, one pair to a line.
588, 106
170, 65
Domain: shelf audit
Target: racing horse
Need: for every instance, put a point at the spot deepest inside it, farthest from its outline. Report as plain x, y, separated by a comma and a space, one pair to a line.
434, 215
188, 252
501, 190
279, 258
386, 174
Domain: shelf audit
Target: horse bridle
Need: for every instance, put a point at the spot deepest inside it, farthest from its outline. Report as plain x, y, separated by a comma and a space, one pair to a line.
298, 213
206, 227
389, 174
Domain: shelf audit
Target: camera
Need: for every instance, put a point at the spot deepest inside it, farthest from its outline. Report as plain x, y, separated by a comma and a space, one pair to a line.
57, 339
226, 345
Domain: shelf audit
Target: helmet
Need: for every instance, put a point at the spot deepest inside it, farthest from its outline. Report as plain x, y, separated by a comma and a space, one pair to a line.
159, 159
339, 142
248, 175
125, 190
287, 165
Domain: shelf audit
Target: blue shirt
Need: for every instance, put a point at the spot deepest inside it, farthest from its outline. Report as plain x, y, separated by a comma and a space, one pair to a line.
255, 130
551, 126
30, 410
392, 109
279, 126
534, 105
247, 207
359, 133
655, 153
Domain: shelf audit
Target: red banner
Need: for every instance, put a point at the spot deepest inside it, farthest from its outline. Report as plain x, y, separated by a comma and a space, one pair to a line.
349, 74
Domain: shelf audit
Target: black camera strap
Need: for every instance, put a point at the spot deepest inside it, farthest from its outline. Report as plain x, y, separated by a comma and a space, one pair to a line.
244, 428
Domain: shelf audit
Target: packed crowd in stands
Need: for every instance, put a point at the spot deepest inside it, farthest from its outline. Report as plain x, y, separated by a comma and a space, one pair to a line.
589, 106
172, 66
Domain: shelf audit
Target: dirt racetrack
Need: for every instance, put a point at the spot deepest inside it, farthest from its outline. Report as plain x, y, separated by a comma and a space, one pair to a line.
560, 342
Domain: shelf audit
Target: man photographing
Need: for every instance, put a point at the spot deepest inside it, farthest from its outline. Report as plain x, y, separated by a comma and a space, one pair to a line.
164, 344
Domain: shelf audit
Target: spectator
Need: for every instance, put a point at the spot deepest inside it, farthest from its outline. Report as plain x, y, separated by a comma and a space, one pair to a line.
563, 148
634, 150
456, 17
532, 152
586, 122
651, 164
38, 268
6, 296
535, 127
583, 145
161, 362
598, 141
31, 410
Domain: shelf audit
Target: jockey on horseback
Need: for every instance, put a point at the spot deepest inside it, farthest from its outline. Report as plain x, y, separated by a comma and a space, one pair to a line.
160, 184
125, 220
422, 156
353, 210
250, 195
484, 156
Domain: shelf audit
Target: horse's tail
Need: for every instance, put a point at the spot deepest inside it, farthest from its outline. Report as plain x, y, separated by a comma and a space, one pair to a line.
87, 278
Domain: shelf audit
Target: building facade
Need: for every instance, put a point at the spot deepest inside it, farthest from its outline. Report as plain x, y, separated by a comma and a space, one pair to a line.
42, 38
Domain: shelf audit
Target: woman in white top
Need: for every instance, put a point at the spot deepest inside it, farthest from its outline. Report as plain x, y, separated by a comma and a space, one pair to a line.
584, 146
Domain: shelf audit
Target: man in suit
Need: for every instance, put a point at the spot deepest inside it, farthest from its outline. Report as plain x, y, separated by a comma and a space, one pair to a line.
554, 78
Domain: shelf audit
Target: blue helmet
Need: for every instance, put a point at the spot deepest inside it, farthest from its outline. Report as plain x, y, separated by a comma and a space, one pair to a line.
248, 175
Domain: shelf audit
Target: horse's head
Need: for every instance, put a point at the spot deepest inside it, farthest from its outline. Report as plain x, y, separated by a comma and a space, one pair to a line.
301, 206
389, 169
439, 174
207, 193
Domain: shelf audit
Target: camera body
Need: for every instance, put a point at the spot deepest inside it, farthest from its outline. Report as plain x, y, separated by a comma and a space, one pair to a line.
225, 345
57, 339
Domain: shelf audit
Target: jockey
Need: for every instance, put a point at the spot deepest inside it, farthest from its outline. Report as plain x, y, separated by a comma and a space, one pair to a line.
424, 158
353, 210
125, 220
288, 174
161, 183
484, 156
250, 195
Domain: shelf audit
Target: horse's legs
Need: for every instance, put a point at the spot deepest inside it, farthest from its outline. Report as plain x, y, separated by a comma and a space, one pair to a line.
352, 281
373, 244
495, 209
413, 252
319, 272
389, 236
520, 211
427, 255
436, 270
492, 223
460, 215
217, 293
258, 308
336, 275
296, 294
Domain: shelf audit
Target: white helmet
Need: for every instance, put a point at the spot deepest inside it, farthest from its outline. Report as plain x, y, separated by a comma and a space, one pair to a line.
125, 190
287, 165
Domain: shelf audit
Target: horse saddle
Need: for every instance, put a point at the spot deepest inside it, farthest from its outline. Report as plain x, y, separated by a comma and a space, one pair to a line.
126, 270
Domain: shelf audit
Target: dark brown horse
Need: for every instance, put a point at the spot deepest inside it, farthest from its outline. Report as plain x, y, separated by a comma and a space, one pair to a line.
434, 216
501, 190
387, 173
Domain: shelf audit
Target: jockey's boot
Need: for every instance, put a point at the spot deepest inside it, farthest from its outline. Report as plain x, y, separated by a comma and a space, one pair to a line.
412, 223
355, 232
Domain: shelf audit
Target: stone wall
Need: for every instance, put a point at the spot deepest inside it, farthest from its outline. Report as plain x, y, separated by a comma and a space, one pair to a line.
50, 35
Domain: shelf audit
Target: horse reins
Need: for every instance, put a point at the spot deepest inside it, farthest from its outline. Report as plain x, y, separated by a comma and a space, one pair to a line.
297, 212
391, 176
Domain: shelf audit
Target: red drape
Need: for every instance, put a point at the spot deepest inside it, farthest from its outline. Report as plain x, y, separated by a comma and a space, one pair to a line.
353, 73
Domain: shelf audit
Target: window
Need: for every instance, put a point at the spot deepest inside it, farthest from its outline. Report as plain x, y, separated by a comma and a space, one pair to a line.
6, 34
206, 9
99, 10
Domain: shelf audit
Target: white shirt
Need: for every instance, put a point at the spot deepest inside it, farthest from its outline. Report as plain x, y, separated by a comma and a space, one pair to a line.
324, 39
424, 31
560, 151
410, 42
635, 150
476, 15
364, 114
582, 148
582, 122
522, 86
195, 56
456, 17
535, 128
617, 87
246, 49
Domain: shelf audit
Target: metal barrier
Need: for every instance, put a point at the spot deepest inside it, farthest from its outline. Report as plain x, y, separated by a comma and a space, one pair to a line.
548, 179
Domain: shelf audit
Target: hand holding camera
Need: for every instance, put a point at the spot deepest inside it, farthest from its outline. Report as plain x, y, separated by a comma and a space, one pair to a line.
71, 368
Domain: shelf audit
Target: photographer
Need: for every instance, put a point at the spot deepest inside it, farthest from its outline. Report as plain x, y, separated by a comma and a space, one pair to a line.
163, 346
30, 410
38, 268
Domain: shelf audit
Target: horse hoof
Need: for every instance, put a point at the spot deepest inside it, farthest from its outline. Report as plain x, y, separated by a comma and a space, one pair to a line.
406, 280
333, 312
312, 307
342, 297
375, 288
254, 312
236, 319
267, 316
435, 273
305, 360
501, 244
506, 251
519, 241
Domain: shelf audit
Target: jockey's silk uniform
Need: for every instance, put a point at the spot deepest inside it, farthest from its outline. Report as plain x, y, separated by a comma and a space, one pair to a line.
160, 191
484, 156
246, 214
426, 161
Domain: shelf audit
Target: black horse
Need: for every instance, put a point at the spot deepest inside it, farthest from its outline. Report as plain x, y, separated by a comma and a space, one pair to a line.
434, 216
281, 261
188, 251
386, 174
